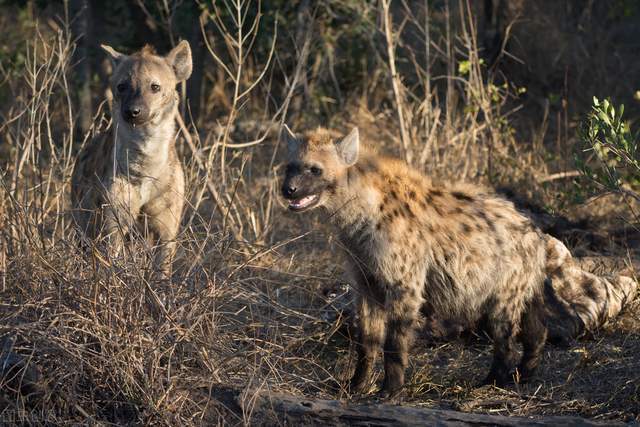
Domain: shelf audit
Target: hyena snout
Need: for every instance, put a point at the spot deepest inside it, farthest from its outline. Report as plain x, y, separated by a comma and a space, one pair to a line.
290, 189
294, 185
135, 113
300, 191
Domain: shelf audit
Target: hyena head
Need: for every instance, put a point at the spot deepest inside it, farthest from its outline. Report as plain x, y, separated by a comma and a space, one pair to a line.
316, 162
144, 84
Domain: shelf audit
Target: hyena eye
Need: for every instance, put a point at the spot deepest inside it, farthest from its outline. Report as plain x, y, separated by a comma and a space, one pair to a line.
155, 87
121, 87
316, 170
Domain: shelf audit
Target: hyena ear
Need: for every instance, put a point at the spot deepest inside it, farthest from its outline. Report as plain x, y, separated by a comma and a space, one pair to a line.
180, 60
115, 56
349, 146
289, 137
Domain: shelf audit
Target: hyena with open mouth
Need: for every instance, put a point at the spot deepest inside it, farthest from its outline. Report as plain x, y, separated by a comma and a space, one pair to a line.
133, 170
455, 252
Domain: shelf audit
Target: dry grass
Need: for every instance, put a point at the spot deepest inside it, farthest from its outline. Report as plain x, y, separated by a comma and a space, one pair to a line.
108, 344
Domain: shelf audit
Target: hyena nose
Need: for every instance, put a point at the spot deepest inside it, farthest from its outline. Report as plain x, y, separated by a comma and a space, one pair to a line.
133, 112
289, 190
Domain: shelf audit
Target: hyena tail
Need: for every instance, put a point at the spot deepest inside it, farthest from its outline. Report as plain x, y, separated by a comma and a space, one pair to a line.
622, 289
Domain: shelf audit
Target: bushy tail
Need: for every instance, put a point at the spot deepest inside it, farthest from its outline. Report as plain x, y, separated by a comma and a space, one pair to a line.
625, 286
577, 301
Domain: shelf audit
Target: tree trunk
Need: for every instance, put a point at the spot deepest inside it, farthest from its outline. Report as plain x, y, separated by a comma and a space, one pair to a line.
81, 11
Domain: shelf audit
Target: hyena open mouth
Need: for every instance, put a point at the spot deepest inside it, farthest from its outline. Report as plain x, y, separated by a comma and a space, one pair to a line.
304, 203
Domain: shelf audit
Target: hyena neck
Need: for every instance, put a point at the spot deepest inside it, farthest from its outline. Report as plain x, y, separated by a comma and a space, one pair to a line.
144, 149
355, 202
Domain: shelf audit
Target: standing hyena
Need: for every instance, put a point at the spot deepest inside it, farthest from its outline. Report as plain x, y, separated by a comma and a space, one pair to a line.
133, 171
458, 253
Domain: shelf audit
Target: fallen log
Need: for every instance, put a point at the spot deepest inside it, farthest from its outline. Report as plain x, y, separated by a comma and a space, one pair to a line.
267, 408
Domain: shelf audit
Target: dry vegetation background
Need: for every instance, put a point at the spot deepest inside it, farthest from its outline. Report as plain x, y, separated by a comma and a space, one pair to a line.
489, 91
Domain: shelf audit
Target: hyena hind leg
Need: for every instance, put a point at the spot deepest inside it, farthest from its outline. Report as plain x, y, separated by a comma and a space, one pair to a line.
533, 336
504, 331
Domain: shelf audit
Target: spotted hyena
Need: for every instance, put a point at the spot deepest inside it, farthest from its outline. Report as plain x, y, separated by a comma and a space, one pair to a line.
454, 252
132, 172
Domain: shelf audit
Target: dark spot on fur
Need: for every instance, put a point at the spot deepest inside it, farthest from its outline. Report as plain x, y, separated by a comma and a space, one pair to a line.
490, 224
436, 193
461, 196
412, 194
466, 228
366, 167
393, 194
589, 288
408, 209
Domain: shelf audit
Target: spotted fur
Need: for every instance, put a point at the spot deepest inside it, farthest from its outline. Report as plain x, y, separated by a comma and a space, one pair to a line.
577, 301
453, 252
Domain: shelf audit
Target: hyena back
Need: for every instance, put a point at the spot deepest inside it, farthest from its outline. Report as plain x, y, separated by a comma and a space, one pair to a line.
133, 170
459, 253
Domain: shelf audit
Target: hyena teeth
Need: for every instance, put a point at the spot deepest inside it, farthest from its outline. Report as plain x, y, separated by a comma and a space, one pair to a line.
304, 202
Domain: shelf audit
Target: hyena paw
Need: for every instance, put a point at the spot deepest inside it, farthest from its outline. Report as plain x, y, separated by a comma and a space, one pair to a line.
496, 380
525, 374
391, 396
358, 386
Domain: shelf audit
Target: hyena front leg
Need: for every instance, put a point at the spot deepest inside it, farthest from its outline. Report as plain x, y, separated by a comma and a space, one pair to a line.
165, 226
371, 330
533, 335
403, 307
119, 213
